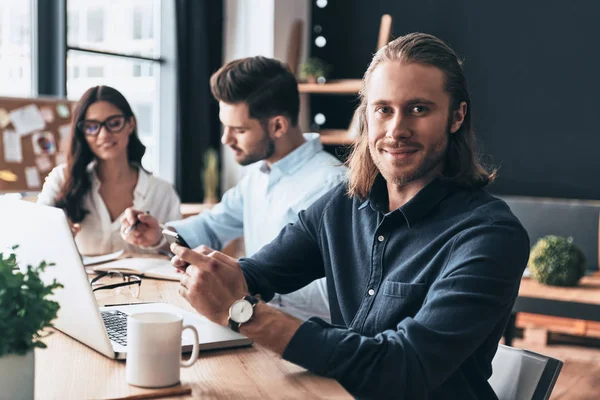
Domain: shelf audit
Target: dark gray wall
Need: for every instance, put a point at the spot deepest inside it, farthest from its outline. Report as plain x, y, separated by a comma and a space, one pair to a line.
534, 73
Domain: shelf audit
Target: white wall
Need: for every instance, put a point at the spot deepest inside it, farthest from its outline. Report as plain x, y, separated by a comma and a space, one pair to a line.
258, 27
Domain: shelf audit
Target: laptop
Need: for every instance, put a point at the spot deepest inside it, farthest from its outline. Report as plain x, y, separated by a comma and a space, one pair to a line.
43, 233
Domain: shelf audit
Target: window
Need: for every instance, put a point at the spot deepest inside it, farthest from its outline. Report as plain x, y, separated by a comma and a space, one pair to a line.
95, 25
95, 72
142, 69
144, 116
73, 26
142, 23
15, 48
124, 31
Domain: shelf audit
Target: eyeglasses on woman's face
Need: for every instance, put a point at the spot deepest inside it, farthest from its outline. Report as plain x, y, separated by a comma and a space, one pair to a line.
113, 124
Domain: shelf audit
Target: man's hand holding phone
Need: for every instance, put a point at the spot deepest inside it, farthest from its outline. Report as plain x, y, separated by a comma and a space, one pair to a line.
174, 237
140, 229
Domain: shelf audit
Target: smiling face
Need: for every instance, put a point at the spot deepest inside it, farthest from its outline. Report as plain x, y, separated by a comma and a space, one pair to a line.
111, 141
246, 136
408, 121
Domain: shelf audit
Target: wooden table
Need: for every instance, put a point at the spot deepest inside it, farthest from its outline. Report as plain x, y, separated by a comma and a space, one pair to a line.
581, 302
68, 369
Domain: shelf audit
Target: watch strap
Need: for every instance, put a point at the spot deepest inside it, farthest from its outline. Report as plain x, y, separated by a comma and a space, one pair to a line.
251, 299
234, 326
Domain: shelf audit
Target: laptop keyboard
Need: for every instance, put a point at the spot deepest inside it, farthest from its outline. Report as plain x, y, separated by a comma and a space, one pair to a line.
116, 326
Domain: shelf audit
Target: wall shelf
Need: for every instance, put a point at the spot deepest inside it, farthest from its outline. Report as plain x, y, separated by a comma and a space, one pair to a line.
341, 86
336, 137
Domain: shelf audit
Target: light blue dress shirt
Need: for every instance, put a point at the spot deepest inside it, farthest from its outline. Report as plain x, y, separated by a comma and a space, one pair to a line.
261, 204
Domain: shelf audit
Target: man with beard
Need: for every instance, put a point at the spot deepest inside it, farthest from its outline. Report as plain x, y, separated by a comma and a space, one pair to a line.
423, 265
258, 107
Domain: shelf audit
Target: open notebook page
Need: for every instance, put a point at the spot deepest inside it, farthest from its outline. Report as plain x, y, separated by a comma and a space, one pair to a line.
157, 268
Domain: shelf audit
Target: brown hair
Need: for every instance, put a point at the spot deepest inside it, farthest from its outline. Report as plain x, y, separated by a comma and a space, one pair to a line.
265, 84
79, 154
462, 164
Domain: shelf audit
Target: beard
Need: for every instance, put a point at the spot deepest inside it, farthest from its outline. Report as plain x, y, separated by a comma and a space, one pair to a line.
263, 150
432, 159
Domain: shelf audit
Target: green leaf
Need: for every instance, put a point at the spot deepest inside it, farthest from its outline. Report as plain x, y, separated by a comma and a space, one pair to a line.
25, 309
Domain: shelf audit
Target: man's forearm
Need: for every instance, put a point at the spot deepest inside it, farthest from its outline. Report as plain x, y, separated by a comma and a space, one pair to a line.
271, 328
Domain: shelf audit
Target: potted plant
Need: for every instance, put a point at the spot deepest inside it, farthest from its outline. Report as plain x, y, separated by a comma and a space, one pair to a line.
313, 69
556, 261
25, 311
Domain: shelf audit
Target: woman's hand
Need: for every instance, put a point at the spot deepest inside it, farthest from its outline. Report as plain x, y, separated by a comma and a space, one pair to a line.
145, 233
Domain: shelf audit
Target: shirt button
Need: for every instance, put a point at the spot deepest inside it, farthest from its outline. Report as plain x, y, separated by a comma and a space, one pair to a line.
371, 292
380, 238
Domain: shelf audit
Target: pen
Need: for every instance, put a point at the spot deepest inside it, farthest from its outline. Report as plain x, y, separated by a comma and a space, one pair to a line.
135, 224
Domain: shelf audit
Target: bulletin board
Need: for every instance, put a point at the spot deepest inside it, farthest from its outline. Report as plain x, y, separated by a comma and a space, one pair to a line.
34, 133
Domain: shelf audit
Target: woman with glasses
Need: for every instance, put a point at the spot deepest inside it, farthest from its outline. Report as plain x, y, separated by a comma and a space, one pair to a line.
104, 176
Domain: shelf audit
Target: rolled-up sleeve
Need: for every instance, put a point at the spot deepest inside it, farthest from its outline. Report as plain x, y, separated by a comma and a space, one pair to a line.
466, 305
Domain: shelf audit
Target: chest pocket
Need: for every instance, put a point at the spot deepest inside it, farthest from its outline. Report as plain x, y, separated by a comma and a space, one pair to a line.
397, 301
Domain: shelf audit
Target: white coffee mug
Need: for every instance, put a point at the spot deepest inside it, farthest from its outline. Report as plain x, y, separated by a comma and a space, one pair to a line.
154, 349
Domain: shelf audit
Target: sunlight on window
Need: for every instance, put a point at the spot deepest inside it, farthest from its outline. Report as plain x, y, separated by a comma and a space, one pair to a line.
126, 27
15, 48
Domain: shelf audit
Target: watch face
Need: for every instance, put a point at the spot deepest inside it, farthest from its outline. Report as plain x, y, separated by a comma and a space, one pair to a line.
241, 311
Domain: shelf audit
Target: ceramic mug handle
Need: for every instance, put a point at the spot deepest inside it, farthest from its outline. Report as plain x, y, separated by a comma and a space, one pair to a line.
194, 355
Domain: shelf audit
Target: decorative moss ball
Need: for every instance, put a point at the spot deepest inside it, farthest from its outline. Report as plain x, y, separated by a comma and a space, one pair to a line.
556, 261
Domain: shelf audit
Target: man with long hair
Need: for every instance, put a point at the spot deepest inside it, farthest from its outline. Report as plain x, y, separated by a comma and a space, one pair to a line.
423, 265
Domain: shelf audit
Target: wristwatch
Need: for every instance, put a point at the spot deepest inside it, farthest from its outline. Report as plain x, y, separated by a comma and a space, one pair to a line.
241, 311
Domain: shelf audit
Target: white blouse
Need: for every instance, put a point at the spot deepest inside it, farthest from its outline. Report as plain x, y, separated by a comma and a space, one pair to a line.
100, 235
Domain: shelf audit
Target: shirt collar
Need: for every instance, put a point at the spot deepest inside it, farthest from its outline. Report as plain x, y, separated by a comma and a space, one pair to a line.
141, 187
294, 160
417, 207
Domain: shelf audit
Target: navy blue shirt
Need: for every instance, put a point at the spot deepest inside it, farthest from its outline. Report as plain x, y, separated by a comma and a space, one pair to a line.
419, 296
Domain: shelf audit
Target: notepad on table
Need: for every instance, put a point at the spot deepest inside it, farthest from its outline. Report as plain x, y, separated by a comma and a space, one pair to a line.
147, 267
91, 260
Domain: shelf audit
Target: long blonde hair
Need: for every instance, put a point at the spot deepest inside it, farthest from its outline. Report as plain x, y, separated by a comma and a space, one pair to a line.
462, 163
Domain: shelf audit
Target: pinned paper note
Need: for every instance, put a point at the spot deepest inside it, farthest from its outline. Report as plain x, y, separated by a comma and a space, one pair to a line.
32, 177
43, 163
13, 152
62, 111
60, 159
8, 176
27, 119
4, 118
43, 143
47, 114
64, 131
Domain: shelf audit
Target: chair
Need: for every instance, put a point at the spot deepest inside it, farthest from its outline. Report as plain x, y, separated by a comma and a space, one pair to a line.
519, 374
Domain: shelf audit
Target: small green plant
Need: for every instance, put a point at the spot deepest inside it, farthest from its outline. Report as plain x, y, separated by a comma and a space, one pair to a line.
24, 309
556, 261
210, 175
314, 68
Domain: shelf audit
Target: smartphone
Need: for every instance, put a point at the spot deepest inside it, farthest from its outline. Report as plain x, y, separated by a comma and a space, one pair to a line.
174, 237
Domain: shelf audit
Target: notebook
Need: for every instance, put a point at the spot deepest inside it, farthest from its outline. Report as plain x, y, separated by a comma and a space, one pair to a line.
147, 267
90, 260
